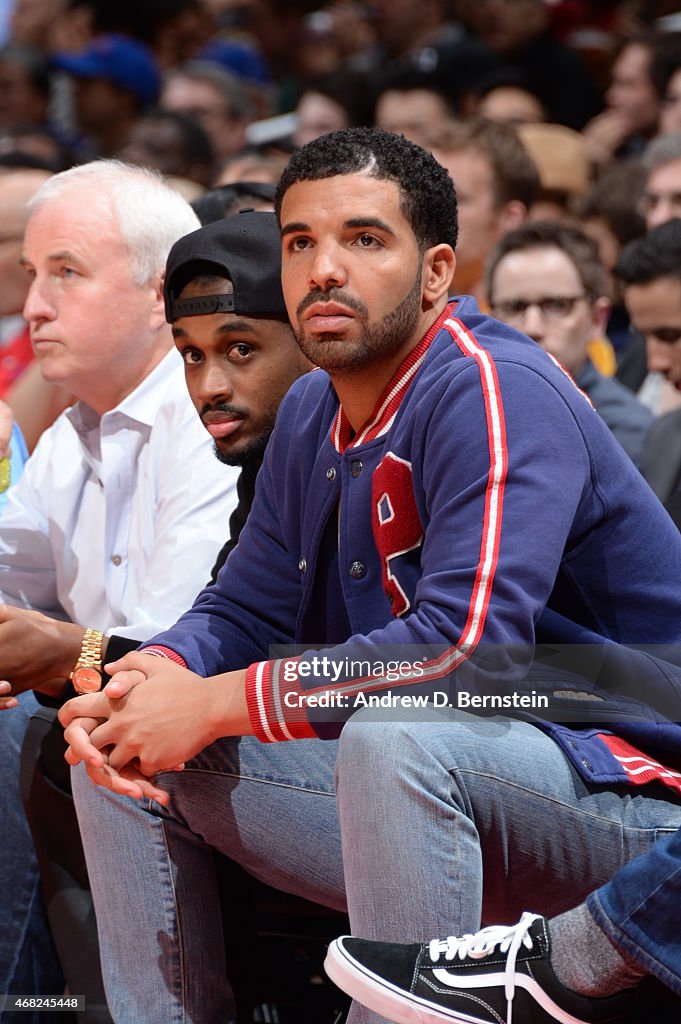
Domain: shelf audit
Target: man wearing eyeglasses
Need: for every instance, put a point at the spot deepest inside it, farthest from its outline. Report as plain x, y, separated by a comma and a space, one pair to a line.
546, 280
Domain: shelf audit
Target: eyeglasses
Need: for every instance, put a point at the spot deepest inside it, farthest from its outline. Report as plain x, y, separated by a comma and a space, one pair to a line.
552, 307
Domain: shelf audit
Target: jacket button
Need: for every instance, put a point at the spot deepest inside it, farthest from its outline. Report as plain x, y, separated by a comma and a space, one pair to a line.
331, 473
356, 468
587, 764
302, 565
358, 570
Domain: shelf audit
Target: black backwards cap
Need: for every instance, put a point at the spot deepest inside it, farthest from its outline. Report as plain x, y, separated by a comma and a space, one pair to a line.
245, 248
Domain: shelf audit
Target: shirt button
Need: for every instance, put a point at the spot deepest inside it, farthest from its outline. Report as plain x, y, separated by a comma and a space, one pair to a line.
356, 468
302, 565
358, 570
331, 473
116, 559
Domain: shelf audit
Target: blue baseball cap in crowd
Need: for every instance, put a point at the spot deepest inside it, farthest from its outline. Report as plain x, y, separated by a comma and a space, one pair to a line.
125, 62
239, 58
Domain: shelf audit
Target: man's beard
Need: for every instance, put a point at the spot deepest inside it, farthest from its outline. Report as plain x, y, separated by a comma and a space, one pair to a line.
251, 452
378, 340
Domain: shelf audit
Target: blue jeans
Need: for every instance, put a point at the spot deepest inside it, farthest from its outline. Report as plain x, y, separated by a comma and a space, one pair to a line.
28, 960
639, 910
444, 822
269, 807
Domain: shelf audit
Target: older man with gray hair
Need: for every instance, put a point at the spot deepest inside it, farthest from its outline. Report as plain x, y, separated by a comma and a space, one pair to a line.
115, 523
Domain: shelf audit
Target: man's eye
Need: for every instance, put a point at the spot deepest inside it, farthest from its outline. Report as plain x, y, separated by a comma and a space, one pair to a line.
367, 241
557, 306
240, 351
191, 356
298, 244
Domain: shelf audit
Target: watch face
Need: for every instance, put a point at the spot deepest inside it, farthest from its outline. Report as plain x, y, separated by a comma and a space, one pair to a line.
87, 680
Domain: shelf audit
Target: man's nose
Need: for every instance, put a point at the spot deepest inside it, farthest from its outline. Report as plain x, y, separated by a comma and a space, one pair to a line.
534, 323
216, 383
327, 268
39, 304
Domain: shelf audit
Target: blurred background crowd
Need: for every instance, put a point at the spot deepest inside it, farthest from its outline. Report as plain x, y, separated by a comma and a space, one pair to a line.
540, 109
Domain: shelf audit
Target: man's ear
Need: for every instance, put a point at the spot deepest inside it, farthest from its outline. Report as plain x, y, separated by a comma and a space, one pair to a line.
600, 314
511, 215
439, 264
158, 309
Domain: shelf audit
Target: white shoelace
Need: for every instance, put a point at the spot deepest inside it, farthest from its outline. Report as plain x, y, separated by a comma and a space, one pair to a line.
508, 938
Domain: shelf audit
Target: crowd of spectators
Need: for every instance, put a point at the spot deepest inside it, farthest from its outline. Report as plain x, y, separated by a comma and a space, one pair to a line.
558, 111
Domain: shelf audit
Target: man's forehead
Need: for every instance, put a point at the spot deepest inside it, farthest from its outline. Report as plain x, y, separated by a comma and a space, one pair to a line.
668, 171
662, 293
344, 199
549, 260
206, 285
358, 184
86, 221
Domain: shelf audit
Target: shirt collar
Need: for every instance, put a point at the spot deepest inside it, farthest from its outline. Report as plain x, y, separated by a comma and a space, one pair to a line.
387, 406
141, 405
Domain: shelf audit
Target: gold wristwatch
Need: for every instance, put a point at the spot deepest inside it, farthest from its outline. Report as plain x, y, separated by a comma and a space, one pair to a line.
87, 673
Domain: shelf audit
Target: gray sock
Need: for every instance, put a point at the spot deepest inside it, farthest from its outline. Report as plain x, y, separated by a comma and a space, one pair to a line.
585, 959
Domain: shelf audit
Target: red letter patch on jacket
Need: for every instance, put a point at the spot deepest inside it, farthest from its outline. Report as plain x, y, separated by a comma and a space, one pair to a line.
396, 524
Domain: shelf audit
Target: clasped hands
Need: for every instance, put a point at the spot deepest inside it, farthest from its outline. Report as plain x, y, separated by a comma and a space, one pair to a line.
152, 716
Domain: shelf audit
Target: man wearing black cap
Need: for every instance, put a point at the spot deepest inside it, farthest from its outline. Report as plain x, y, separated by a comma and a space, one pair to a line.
223, 298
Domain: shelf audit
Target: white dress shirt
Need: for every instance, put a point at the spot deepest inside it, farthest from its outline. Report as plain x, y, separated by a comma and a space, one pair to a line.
117, 519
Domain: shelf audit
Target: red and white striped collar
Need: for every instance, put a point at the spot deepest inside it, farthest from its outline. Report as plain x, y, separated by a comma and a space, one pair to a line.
386, 408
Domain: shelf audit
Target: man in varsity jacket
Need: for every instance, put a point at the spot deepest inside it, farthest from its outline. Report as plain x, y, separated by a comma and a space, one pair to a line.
436, 503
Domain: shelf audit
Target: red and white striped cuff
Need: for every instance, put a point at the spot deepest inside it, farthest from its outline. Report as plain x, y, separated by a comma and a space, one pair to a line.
274, 716
165, 652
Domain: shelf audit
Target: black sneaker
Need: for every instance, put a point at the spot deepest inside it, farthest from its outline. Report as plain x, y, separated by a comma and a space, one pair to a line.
501, 974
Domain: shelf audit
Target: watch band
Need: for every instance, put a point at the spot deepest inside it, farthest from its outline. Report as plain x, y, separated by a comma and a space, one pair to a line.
87, 672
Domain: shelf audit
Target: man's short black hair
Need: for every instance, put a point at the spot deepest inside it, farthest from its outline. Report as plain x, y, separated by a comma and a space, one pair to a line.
657, 254
428, 199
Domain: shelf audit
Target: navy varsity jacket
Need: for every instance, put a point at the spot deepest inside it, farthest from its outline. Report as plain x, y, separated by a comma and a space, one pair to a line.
484, 512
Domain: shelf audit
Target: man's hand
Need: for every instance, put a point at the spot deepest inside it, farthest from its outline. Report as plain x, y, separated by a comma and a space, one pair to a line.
36, 652
52, 688
78, 730
127, 782
163, 721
